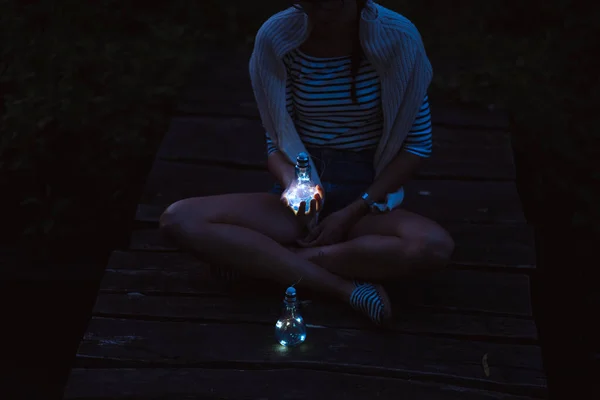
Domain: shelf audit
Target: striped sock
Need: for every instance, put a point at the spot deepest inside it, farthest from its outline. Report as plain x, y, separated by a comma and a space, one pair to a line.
366, 299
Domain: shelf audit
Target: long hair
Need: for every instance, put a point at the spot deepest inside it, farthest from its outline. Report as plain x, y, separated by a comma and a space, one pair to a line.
357, 50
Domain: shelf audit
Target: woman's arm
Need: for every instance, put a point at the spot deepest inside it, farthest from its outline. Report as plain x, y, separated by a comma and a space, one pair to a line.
418, 145
394, 175
281, 168
277, 162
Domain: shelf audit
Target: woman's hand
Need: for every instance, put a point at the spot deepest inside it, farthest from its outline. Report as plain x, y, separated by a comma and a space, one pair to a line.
306, 218
332, 229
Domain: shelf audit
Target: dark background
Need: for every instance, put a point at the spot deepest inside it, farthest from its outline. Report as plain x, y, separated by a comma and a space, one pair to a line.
87, 90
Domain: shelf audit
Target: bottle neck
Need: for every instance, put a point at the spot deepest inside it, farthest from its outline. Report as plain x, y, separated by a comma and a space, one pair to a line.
303, 174
291, 308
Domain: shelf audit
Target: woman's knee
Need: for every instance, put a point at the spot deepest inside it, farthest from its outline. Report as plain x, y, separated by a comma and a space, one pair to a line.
174, 218
432, 244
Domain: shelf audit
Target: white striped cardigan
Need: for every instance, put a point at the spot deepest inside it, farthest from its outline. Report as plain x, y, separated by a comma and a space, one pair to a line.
389, 41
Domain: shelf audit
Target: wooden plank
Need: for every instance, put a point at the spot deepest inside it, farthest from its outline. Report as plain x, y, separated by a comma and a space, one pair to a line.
459, 201
457, 153
449, 289
490, 244
233, 140
444, 201
151, 261
291, 384
475, 244
148, 213
161, 282
169, 182
333, 315
511, 368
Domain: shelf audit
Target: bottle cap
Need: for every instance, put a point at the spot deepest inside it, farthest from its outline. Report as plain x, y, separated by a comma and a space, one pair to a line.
290, 296
302, 160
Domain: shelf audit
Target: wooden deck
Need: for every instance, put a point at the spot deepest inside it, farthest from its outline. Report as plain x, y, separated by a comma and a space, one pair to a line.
163, 327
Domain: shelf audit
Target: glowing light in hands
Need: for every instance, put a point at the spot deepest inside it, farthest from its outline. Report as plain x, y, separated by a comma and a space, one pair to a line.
299, 192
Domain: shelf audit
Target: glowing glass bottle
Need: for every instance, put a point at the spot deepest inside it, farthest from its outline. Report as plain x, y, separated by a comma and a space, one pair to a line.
303, 188
290, 329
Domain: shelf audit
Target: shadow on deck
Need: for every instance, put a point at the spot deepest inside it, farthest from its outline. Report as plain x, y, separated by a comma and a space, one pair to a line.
163, 327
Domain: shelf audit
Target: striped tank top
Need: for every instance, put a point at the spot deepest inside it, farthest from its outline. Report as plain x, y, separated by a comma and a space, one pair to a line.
319, 100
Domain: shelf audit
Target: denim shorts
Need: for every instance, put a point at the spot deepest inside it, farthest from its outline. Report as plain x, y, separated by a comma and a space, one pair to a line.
345, 176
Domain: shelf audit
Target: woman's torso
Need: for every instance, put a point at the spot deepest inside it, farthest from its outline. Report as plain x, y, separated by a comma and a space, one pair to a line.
320, 101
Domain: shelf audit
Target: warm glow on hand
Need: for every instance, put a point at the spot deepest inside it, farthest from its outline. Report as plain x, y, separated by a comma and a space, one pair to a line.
297, 193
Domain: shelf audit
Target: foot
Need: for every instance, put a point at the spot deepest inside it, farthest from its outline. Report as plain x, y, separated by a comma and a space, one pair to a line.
371, 300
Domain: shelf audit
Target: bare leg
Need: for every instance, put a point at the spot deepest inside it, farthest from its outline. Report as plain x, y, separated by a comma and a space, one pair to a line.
244, 232
367, 257
386, 247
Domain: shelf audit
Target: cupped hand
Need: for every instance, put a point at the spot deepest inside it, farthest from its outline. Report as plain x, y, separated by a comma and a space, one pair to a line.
314, 207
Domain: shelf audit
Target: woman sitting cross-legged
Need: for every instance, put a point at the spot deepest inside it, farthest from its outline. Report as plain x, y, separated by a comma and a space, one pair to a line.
346, 82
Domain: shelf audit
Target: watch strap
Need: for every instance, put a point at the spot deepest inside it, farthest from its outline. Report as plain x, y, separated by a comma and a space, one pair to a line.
367, 199
372, 205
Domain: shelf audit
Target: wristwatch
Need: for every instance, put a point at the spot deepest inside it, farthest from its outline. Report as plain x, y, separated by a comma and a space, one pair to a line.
371, 204
367, 200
